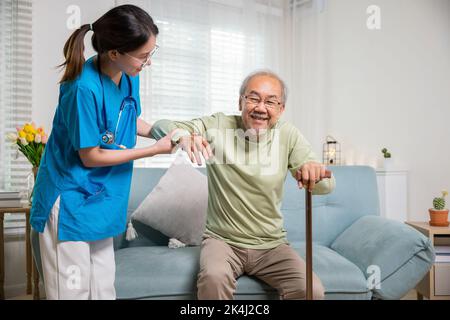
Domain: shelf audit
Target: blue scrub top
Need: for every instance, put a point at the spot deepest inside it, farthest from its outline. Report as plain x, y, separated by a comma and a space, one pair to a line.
94, 201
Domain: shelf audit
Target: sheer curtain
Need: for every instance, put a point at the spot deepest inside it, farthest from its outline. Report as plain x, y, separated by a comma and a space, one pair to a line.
207, 47
309, 72
15, 97
15, 87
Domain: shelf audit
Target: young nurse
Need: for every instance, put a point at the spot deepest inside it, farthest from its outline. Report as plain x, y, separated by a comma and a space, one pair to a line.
83, 184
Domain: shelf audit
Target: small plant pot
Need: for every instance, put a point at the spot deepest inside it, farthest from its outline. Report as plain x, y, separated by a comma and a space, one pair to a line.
387, 163
438, 218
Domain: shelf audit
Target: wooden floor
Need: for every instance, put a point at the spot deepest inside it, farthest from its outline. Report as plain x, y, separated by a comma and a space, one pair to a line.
25, 297
412, 295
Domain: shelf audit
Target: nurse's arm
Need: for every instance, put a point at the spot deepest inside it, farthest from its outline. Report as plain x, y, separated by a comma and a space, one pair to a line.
143, 128
97, 157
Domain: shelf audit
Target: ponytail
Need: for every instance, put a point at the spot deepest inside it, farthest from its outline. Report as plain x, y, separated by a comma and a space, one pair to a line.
74, 54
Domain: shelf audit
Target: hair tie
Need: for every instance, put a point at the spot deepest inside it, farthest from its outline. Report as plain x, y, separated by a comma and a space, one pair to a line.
90, 27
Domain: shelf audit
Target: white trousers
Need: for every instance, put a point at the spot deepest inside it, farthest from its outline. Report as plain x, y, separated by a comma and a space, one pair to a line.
76, 270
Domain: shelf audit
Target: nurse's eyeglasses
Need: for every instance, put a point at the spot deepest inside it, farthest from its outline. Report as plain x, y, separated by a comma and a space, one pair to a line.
150, 55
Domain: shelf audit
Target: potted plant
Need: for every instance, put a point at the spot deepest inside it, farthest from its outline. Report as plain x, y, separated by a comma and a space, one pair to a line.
438, 214
387, 158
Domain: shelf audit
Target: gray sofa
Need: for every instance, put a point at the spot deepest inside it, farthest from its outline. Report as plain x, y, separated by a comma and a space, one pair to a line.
356, 253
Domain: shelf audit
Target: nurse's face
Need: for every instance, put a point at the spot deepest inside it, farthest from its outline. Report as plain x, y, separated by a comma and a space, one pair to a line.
134, 61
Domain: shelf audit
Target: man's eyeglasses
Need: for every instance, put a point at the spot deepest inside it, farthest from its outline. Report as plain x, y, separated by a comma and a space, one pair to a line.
254, 100
147, 60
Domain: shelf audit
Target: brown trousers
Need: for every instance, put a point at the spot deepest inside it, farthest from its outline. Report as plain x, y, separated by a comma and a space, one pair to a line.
281, 268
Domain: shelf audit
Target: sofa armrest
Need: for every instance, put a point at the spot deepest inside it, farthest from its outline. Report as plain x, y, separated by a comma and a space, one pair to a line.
401, 254
120, 242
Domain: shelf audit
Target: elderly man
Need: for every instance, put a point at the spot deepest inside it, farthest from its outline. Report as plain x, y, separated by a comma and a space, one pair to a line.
252, 155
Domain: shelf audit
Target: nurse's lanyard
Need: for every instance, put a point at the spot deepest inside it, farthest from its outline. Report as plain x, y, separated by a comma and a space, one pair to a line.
110, 137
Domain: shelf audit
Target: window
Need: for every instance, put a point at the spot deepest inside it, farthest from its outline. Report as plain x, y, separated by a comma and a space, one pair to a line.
207, 47
15, 87
15, 96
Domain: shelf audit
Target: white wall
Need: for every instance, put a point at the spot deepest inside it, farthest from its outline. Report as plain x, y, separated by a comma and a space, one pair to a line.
384, 88
392, 88
50, 33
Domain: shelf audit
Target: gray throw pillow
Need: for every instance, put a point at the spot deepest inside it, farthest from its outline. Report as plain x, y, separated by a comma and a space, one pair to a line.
177, 205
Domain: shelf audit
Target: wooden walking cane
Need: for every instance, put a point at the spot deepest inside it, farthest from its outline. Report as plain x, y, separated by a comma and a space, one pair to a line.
308, 227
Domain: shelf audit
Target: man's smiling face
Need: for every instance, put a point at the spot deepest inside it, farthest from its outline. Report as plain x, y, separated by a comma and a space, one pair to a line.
261, 104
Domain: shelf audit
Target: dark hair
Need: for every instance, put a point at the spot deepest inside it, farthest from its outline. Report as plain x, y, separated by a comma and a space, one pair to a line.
123, 28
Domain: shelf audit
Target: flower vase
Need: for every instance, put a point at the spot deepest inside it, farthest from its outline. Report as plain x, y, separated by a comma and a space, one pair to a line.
35, 172
31, 182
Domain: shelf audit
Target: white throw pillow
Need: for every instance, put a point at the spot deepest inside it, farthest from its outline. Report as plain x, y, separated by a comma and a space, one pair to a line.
177, 204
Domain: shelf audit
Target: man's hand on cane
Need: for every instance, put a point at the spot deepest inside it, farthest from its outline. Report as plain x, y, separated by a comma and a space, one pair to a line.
311, 173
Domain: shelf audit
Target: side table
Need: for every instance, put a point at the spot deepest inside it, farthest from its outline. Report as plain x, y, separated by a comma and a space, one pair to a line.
436, 283
31, 267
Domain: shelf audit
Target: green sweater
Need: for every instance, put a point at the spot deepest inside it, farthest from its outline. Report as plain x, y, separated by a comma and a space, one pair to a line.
246, 177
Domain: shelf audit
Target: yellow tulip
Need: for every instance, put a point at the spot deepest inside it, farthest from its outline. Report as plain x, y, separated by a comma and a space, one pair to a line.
30, 137
22, 134
28, 128
444, 193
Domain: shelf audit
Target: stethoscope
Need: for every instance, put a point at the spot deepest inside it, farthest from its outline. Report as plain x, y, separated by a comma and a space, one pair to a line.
109, 137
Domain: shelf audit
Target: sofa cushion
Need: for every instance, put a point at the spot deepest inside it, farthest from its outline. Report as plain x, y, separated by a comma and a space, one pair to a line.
401, 254
158, 272
177, 205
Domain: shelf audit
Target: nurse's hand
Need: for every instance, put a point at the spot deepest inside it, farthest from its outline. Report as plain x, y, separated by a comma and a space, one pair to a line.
195, 145
164, 145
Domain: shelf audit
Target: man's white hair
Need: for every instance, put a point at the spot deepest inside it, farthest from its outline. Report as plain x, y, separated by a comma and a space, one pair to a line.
267, 73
